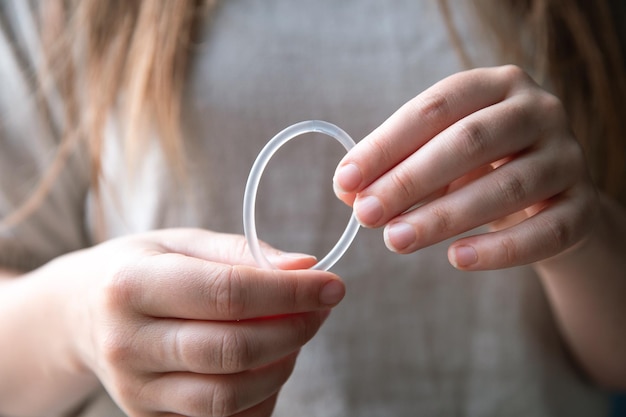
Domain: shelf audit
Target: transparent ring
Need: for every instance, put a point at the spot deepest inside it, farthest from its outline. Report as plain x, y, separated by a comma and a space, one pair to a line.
252, 186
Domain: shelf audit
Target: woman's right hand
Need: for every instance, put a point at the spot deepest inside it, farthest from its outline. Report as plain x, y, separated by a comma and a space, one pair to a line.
180, 322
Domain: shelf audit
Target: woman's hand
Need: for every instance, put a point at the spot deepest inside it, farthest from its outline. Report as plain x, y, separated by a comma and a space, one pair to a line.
180, 322
489, 147
486, 146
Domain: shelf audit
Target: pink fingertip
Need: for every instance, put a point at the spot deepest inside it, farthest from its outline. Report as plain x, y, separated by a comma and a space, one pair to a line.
463, 256
332, 292
368, 210
292, 260
399, 236
348, 178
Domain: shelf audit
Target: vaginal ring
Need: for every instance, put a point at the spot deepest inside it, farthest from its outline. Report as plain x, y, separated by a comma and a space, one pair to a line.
249, 200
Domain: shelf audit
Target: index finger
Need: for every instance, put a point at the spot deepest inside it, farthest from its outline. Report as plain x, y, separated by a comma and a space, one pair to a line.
175, 285
416, 122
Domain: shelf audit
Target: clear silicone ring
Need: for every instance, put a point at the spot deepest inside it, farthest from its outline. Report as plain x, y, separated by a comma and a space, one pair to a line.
252, 186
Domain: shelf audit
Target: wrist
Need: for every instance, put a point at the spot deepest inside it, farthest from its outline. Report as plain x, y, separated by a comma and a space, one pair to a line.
585, 286
38, 349
64, 288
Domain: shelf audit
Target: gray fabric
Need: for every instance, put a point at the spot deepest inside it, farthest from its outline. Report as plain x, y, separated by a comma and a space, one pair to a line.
413, 336
29, 136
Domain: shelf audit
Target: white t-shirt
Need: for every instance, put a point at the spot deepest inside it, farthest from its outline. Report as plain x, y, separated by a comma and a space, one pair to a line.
414, 336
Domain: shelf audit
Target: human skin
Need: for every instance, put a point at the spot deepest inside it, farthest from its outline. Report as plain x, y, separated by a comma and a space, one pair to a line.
490, 147
171, 322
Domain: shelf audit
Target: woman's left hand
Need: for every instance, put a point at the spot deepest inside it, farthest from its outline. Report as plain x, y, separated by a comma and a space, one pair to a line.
482, 147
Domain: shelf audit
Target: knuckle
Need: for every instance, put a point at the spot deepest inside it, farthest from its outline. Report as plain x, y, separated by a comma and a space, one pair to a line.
214, 399
403, 182
572, 160
227, 293
576, 152
185, 350
512, 189
129, 390
550, 103
121, 288
235, 352
381, 149
432, 107
472, 140
222, 400
443, 223
115, 338
558, 232
515, 74
116, 348
525, 115
551, 107
509, 251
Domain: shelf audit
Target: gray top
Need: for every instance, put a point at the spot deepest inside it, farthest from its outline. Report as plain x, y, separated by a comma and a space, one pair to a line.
413, 336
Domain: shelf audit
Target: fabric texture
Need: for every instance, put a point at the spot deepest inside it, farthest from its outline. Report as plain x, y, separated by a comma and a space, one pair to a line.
413, 336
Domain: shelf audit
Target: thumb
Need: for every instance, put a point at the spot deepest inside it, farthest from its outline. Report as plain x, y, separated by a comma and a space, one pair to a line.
225, 248
289, 260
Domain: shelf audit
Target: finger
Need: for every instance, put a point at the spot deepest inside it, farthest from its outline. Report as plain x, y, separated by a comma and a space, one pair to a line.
217, 347
527, 180
174, 285
224, 248
485, 136
453, 186
418, 121
546, 234
216, 395
263, 409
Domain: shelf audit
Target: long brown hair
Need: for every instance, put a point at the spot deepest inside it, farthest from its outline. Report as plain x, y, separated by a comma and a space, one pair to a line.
577, 48
122, 56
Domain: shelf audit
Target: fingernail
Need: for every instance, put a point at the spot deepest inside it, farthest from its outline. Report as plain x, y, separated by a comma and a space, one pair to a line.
348, 177
332, 292
338, 191
368, 210
463, 256
399, 236
291, 260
